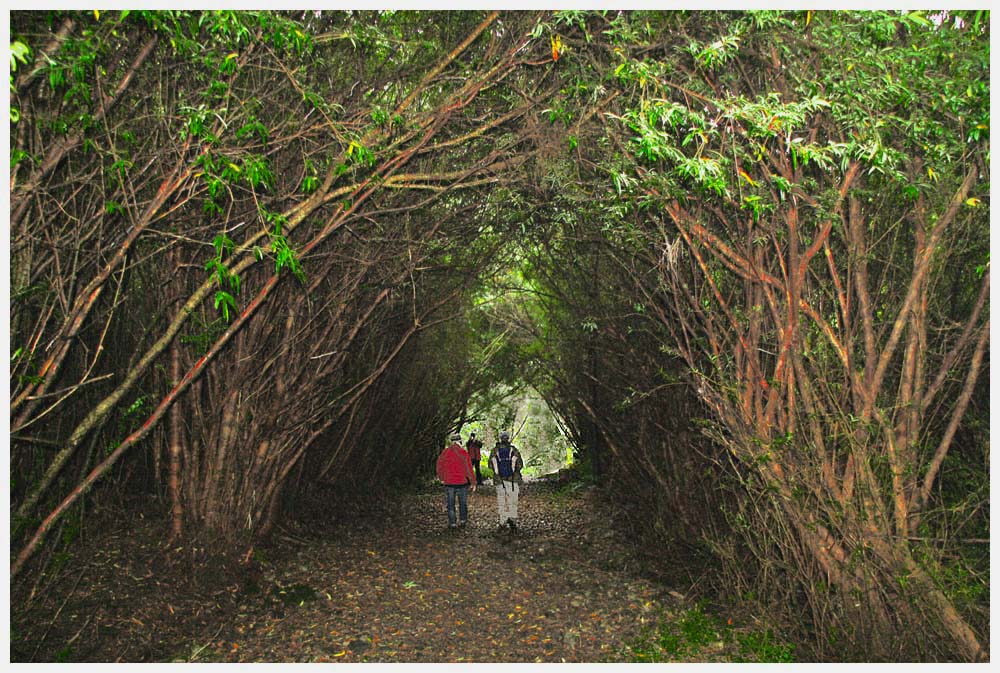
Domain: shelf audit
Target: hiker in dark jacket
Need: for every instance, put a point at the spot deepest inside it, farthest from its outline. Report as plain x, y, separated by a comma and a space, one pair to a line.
454, 469
475, 453
506, 463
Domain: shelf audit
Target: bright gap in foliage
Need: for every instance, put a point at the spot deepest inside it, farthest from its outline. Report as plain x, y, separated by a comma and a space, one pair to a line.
533, 427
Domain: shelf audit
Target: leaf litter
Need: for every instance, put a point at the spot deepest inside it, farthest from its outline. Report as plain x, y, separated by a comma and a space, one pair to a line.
400, 588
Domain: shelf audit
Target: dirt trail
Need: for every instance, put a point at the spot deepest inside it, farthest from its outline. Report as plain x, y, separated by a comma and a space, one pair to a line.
414, 590
401, 588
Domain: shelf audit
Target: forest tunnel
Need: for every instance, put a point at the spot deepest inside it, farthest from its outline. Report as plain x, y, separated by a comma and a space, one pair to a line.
264, 259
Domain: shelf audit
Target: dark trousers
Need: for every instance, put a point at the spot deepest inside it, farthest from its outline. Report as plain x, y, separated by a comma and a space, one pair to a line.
462, 492
479, 477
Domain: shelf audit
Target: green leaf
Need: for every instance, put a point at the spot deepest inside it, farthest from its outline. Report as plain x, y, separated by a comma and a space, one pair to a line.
222, 243
19, 51
224, 301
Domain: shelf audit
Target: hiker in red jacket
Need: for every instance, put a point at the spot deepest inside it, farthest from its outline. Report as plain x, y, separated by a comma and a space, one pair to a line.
454, 468
475, 453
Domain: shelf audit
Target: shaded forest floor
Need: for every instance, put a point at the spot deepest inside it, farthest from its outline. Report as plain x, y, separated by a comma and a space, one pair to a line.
396, 588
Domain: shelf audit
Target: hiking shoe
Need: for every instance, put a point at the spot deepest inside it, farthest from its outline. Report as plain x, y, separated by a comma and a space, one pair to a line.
452, 525
462, 524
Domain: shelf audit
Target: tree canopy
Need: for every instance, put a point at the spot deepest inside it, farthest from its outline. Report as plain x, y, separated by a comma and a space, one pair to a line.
743, 257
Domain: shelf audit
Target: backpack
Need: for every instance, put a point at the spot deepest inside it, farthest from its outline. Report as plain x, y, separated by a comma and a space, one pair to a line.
505, 461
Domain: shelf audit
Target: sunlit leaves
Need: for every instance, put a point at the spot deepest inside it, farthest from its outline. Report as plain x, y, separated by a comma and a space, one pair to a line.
19, 52
57, 75
706, 173
227, 26
257, 172
573, 17
768, 117
623, 183
196, 119
804, 153
652, 143
636, 72
284, 257
907, 96
782, 20
224, 302
979, 132
379, 115
17, 156
783, 185
360, 154
226, 280
756, 205
223, 245
716, 53
309, 184
981, 268
229, 63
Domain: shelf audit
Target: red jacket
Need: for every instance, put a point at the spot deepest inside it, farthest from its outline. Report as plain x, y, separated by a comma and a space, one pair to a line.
474, 449
454, 467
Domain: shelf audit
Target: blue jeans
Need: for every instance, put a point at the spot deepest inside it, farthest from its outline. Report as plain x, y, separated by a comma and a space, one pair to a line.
463, 503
